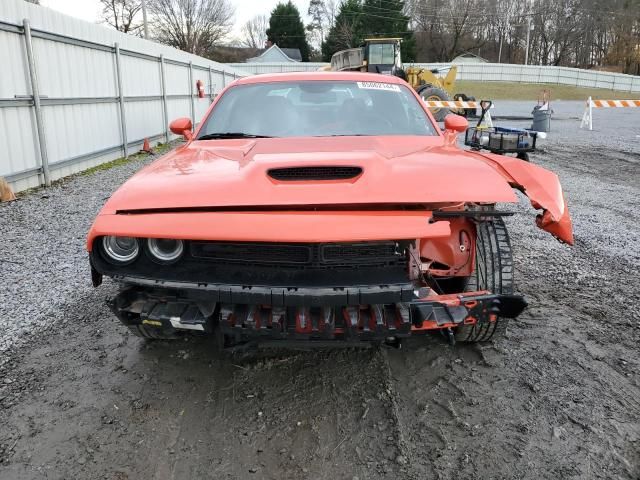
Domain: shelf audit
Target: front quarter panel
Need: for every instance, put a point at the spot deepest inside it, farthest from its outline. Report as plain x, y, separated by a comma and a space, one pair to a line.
543, 189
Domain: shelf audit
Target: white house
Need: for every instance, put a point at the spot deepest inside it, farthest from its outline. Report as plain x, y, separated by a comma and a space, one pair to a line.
277, 54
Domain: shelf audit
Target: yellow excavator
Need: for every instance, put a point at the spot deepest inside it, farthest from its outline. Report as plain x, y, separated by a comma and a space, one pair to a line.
382, 55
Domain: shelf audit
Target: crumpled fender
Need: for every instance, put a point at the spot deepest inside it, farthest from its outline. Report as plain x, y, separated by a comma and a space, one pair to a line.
543, 189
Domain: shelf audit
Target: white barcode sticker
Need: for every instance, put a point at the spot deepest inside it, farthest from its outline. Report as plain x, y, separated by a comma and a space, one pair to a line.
379, 86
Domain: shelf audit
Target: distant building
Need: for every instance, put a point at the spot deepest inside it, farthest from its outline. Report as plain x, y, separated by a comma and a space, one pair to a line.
468, 57
277, 54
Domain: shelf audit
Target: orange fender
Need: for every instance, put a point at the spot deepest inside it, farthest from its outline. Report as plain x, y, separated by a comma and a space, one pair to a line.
543, 189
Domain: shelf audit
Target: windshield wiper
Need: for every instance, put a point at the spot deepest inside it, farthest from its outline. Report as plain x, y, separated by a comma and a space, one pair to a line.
218, 135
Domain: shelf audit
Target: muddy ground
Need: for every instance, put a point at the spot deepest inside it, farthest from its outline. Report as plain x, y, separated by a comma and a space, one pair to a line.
559, 397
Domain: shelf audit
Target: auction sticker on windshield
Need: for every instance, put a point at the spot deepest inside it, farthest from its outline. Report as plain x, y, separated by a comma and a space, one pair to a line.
379, 86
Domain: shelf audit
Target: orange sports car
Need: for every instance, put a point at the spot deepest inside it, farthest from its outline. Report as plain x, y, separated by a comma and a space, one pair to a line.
324, 206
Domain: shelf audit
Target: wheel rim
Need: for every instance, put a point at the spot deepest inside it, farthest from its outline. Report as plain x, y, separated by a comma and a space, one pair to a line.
433, 98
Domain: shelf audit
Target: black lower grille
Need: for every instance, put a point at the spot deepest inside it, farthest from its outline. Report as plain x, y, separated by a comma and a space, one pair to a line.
252, 252
275, 265
296, 254
360, 253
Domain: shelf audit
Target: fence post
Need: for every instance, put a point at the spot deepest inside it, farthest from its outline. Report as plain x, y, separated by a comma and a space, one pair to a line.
165, 112
193, 109
123, 119
35, 92
224, 78
210, 85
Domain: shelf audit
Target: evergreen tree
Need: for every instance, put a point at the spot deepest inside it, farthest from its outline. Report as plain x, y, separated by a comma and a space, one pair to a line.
386, 18
287, 30
360, 19
347, 31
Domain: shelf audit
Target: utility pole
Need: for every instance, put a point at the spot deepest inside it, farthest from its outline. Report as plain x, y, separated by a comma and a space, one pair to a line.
526, 53
500, 49
144, 19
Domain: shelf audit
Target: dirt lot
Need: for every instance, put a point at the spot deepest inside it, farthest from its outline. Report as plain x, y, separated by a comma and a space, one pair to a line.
559, 397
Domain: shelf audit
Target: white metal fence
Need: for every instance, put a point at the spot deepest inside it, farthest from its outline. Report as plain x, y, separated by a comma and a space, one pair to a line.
489, 72
74, 95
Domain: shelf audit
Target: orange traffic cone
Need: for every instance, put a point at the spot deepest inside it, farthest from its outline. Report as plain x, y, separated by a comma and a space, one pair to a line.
146, 147
6, 194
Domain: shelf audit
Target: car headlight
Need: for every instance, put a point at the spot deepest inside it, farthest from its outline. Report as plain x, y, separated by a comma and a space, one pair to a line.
165, 250
120, 250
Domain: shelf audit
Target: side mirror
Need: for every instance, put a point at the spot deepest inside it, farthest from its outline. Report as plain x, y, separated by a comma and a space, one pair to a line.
455, 123
182, 126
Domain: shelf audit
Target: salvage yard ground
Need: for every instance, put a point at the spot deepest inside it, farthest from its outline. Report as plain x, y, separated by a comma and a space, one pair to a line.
530, 91
559, 397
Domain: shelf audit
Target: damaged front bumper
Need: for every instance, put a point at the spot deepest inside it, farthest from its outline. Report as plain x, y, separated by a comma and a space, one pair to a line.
306, 317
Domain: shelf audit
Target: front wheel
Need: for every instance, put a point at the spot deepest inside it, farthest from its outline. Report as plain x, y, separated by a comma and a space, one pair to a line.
431, 93
493, 272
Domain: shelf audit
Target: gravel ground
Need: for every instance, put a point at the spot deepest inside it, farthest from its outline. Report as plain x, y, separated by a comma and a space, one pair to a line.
557, 398
43, 260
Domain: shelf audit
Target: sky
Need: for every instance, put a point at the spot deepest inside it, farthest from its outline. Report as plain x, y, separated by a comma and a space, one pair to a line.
89, 10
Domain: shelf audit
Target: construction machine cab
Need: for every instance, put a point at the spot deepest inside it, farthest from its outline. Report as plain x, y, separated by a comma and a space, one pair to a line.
382, 55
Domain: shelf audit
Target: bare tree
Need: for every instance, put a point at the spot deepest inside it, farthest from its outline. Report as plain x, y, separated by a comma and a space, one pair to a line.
254, 32
194, 26
122, 14
323, 14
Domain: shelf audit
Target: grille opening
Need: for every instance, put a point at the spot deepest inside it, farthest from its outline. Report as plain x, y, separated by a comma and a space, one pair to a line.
301, 255
314, 173
252, 252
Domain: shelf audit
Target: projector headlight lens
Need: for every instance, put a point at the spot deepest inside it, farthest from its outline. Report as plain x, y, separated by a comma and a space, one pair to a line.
165, 250
120, 250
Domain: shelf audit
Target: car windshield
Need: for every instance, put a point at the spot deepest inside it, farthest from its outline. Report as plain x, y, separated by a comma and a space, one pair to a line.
317, 109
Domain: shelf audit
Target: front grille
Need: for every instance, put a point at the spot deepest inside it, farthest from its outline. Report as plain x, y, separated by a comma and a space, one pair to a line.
314, 173
297, 254
276, 265
359, 253
252, 252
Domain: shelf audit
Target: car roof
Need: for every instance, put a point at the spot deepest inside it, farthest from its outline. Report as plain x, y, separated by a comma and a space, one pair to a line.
319, 76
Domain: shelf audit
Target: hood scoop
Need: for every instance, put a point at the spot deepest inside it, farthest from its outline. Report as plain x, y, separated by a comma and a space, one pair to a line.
318, 173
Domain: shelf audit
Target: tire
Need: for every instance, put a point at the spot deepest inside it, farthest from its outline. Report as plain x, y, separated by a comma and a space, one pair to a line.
493, 272
429, 92
152, 333
471, 112
461, 97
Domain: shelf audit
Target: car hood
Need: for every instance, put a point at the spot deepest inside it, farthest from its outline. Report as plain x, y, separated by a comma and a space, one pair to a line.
234, 173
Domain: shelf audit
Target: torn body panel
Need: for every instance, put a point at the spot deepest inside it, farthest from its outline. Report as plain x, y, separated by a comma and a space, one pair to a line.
543, 189
262, 321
